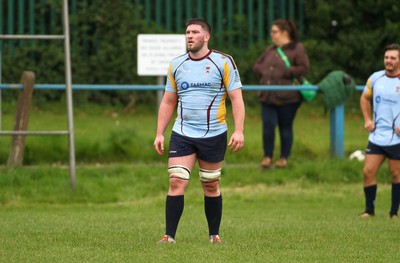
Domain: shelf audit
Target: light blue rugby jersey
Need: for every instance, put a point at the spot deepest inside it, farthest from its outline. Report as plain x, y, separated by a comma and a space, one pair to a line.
202, 86
385, 92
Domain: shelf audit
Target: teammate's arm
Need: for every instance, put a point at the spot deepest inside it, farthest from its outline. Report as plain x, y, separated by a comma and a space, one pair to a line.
365, 104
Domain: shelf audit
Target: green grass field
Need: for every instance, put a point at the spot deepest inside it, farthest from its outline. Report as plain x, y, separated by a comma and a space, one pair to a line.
116, 214
305, 213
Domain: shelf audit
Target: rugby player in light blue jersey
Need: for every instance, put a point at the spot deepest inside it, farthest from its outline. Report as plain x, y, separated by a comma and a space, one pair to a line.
198, 84
382, 120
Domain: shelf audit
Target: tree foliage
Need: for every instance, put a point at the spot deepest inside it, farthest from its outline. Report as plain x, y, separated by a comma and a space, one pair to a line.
350, 35
103, 51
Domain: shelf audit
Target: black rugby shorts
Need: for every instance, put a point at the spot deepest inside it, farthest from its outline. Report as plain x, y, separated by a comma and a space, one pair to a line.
207, 149
392, 152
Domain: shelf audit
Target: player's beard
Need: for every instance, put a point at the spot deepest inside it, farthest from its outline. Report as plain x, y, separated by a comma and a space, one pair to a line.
194, 48
390, 68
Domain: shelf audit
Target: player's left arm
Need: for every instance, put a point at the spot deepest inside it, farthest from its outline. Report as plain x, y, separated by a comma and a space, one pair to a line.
236, 142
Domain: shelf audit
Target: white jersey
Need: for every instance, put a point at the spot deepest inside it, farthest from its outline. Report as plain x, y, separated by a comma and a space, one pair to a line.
385, 92
202, 86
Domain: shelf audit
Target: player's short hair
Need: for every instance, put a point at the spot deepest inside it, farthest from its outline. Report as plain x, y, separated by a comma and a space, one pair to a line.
393, 46
199, 21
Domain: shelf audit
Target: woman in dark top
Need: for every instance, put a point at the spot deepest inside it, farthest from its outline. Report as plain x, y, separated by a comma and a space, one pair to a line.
280, 107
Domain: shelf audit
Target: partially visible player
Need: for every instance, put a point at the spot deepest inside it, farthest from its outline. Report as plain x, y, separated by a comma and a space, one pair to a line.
197, 86
382, 120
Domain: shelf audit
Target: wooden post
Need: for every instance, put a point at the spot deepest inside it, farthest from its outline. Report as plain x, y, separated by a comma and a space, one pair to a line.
17, 149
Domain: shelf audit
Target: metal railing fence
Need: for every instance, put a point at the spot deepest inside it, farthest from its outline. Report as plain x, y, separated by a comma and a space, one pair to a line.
336, 115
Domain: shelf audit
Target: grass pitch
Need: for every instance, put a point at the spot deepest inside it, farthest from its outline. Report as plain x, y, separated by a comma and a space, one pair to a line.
116, 214
305, 213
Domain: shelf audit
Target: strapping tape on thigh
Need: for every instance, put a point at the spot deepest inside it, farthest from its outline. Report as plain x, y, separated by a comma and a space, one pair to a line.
179, 171
209, 175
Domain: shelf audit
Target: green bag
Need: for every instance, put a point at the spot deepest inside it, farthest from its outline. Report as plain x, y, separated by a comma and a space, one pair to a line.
307, 95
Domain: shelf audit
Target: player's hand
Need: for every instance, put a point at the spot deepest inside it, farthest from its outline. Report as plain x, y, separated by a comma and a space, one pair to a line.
237, 141
159, 144
369, 125
398, 130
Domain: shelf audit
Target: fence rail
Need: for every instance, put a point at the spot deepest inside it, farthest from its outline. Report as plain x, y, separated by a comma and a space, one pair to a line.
336, 115
153, 87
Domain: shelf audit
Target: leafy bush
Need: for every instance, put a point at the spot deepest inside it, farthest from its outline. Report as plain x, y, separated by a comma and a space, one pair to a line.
349, 36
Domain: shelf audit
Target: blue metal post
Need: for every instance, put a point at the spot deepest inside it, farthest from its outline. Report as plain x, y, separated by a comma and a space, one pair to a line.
337, 131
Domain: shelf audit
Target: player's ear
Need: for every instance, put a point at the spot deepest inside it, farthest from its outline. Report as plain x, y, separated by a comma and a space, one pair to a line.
207, 37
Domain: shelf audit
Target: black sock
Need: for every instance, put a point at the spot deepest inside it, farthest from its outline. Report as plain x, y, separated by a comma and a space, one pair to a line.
213, 209
395, 198
370, 196
173, 211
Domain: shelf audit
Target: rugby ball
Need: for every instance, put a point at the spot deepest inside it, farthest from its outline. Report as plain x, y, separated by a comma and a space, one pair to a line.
357, 155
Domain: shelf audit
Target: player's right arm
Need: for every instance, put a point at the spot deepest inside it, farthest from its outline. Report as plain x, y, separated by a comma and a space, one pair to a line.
165, 113
365, 105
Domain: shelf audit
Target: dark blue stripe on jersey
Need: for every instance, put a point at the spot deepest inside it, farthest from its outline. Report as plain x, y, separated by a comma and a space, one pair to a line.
181, 114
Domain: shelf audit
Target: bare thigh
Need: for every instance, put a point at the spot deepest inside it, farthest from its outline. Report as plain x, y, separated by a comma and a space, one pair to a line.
188, 161
177, 186
372, 164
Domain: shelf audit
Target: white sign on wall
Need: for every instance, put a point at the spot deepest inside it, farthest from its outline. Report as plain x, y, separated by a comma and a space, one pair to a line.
156, 50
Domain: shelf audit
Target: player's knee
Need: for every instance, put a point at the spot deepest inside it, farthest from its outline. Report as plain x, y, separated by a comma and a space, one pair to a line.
211, 188
395, 175
368, 172
209, 175
179, 171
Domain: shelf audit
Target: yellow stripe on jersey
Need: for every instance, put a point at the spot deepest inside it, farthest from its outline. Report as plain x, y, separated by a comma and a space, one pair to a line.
227, 74
222, 109
369, 89
171, 78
